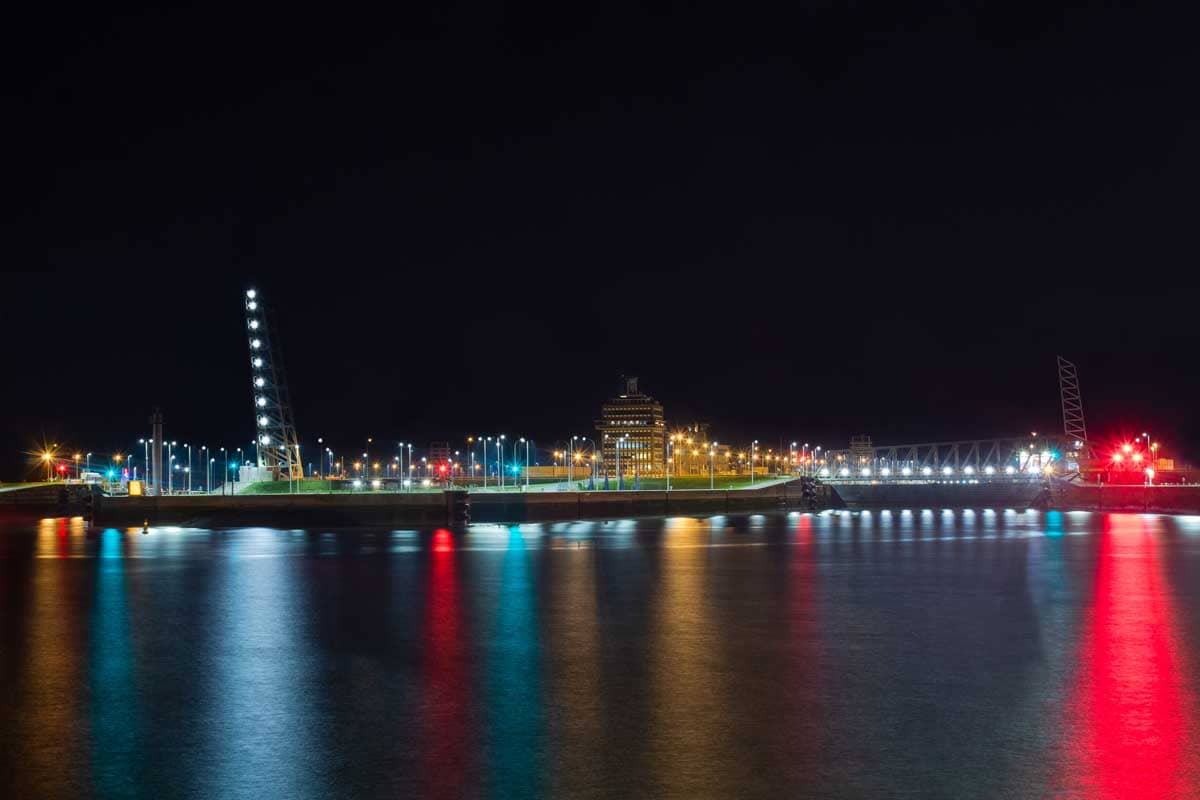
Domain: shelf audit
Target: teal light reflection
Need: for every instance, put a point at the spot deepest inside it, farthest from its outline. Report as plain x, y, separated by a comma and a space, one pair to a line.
113, 712
515, 727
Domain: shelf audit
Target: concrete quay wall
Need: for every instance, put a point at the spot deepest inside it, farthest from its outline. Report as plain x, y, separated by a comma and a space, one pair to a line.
1164, 499
1152, 499
388, 509
592, 505
250, 510
935, 494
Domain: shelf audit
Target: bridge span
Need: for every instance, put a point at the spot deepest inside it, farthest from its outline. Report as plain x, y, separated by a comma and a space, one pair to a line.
1024, 458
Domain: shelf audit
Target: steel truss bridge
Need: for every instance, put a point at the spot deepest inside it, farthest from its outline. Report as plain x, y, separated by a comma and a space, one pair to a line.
1024, 457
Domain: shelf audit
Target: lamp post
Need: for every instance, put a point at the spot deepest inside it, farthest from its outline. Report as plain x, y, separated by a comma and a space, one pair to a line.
712, 475
670, 447
410, 466
526, 462
571, 461
617, 448
170, 460
592, 471
500, 460
753, 455
485, 441
617, 453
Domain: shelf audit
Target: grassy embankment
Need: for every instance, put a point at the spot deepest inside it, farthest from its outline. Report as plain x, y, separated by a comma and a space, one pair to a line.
691, 482
683, 483
311, 486
11, 487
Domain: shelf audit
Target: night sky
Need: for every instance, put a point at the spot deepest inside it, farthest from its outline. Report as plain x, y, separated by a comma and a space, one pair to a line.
850, 219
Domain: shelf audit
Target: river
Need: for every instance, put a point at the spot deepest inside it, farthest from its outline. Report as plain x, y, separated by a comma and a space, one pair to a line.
898, 654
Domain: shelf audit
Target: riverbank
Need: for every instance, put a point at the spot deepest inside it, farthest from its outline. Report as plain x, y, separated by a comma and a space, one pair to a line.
441, 507
450, 508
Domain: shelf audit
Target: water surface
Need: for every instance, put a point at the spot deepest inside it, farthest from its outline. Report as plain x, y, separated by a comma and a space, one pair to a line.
918, 654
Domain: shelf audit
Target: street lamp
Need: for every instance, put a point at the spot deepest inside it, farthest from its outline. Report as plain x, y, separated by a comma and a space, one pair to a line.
485, 441
592, 471
500, 460
526, 462
670, 448
712, 453
753, 455
189, 467
571, 461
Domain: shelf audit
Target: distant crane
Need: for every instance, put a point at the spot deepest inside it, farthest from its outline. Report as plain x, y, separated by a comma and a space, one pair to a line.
1074, 426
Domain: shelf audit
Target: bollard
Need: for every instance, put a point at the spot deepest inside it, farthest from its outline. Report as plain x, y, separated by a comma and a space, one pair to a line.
458, 507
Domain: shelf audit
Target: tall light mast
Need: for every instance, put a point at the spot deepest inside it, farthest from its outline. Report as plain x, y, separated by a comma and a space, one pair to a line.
275, 429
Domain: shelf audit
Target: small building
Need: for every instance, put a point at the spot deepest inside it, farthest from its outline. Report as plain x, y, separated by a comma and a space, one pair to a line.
861, 451
439, 453
633, 422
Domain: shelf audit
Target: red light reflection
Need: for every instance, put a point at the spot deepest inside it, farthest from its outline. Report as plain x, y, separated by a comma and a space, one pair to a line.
1132, 704
445, 749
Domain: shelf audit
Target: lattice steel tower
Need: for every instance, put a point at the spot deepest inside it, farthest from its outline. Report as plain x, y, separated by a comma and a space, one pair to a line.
278, 446
1072, 403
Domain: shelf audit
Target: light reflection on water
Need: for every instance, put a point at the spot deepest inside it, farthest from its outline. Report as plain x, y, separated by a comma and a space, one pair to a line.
909, 652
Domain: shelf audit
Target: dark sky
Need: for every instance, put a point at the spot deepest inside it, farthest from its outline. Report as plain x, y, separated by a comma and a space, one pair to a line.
880, 218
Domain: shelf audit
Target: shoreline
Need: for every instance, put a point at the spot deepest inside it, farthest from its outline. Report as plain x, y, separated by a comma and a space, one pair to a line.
458, 507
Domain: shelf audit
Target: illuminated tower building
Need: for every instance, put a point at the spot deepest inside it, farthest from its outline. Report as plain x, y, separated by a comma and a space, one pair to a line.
634, 423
